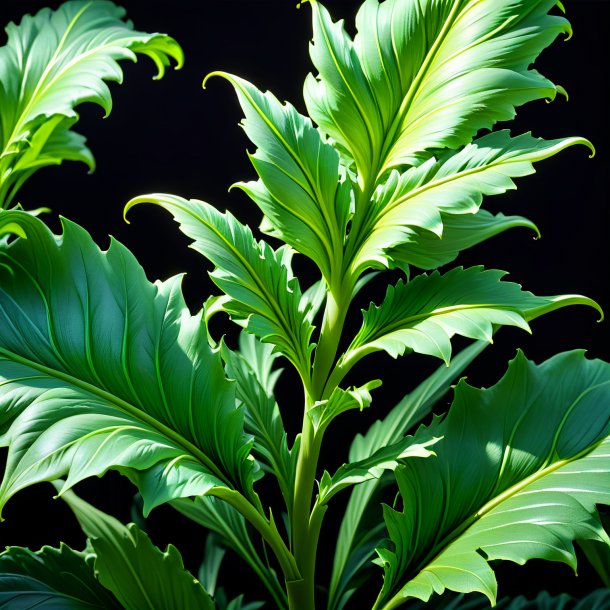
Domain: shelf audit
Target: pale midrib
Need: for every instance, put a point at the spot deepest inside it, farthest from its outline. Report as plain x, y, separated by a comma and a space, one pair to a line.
123, 406
489, 506
261, 289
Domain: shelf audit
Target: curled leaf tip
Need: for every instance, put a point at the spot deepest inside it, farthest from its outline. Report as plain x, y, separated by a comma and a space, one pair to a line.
561, 90
211, 75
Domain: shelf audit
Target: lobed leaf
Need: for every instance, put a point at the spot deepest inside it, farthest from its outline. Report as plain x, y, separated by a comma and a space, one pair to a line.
420, 199
536, 465
263, 294
424, 314
140, 575
101, 369
52, 62
52, 579
425, 74
302, 191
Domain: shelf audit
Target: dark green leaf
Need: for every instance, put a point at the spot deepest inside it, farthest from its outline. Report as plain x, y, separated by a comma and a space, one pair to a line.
128, 564
101, 369
51, 579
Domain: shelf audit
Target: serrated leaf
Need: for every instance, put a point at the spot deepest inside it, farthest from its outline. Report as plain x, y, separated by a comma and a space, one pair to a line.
52, 579
384, 459
264, 295
425, 75
340, 401
302, 191
251, 368
427, 250
420, 198
362, 527
537, 463
424, 314
232, 530
102, 369
54, 61
133, 568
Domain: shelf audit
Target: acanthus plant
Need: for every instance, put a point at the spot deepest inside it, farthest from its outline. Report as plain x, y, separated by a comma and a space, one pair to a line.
101, 369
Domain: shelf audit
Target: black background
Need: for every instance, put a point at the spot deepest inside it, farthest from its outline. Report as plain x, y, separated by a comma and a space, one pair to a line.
170, 136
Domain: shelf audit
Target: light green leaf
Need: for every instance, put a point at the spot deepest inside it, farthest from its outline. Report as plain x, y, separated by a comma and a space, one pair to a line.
128, 564
233, 532
302, 190
101, 369
427, 250
51, 579
54, 61
340, 401
264, 295
425, 75
362, 528
420, 198
517, 476
251, 368
424, 314
382, 460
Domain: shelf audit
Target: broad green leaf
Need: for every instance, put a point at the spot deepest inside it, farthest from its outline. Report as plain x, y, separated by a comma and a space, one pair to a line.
302, 191
362, 528
420, 198
127, 563
424, 314
251, 368
427, 250
425, 74
263, 294
517, 476
234, 533
384, 459
51, 579
54, 61
99, 369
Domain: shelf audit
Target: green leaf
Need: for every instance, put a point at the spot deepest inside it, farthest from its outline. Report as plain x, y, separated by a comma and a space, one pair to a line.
427, 250
517, 476
324, 411
302, 191
425, 75
233, 532
133, 568
362, 528
99, 369
54, 61
263, 294
382, 460
424, 314
422, 197
53, 579
251, 368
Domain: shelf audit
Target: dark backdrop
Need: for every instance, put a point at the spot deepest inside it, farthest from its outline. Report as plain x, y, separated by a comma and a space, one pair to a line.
170, 136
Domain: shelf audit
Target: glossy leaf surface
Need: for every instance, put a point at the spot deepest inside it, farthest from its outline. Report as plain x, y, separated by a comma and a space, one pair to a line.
102, 369
537, 463
54, 61
263, 294
51, 579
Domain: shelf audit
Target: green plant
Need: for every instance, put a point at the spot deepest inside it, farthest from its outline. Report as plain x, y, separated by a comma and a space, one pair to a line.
101, 369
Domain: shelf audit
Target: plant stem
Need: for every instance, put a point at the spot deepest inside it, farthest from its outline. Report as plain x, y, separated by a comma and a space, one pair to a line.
264, 527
